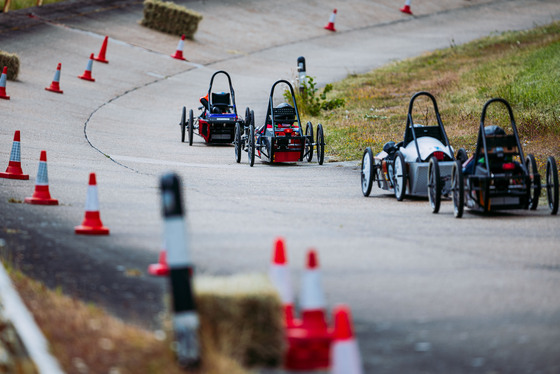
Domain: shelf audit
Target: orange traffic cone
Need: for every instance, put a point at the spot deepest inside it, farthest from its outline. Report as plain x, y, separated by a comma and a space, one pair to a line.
312, 298
330, 25
101, 56
55, 85
179, 52
279, 274
345, 355
161, 268
3, 79
42, 196
14, 166
406, 7
92, 224
87, 73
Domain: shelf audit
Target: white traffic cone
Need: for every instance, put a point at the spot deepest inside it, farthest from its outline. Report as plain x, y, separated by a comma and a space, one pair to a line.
279, 275
179, 52
87, 73
330, 25
42, 196
14, 170
55, 85
345, 354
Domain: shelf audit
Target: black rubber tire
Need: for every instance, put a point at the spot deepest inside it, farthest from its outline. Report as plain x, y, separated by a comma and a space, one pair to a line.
462, 155
552, 185
308, 150
251, 149
435, 184
535, 184
237, 142
399, 176
458, 189
183, 124
247, 116
367, 174
320, 144
191, 127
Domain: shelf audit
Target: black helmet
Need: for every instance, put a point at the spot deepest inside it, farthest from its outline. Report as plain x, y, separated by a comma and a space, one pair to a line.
494, 130
390, 148
284, 112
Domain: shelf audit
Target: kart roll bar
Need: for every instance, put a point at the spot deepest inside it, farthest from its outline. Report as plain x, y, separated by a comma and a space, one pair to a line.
410, 123
230, 90
271, 104
482, 136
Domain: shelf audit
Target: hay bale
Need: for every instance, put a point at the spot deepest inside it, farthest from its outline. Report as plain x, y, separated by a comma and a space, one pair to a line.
171, 18
241, 317
11, 60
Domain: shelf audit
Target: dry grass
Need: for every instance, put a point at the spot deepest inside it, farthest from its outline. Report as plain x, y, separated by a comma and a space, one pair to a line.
85, 339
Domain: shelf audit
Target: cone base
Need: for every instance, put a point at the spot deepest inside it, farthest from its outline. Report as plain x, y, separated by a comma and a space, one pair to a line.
54, 89
86, 77
14, 176
101, 59
330, 27
158, 270
306, 352
179, 56
406, 9
5, 97
40, 201
89, 230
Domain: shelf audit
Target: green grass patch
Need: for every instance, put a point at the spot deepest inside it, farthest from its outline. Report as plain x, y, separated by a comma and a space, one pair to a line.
522, 67
23, 4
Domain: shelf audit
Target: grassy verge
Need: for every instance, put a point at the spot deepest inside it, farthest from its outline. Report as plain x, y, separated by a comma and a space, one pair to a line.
22, 4
522, 67
85, 339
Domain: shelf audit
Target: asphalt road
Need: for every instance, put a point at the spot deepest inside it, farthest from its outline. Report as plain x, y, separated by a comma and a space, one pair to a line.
428, 293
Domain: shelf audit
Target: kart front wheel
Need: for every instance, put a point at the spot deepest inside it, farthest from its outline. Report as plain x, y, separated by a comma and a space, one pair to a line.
399, 176
191, 127
367, 171
462, 155
458, 189
183, 124
247, 116
534, 186
552, 185
435, 184
320, 144
237, 141
308, 149
251, 148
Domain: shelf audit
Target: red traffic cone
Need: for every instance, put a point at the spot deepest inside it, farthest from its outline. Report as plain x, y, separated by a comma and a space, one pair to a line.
87, 73
42, 196
312, 297
14, 166
309, 343
161, 268
406, 7
330, 25
345, 355
55, 85
101, 56
279, 275
3, 79
179, 52
92, 224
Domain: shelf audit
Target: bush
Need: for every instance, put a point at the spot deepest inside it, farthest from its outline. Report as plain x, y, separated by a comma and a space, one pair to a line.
311, 103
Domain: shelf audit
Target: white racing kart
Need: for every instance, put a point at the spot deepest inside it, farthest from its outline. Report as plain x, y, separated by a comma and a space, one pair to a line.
420, 165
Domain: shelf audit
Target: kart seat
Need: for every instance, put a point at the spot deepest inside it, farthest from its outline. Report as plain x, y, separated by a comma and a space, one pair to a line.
502, 144
220, 102
285, 115
419, 131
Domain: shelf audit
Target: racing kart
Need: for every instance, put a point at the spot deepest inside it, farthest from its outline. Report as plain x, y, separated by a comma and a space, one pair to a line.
420, 165
218, 118
498, 176
280, 139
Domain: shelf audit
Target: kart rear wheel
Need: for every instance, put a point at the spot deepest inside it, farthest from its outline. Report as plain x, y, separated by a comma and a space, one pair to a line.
251, 148
183, 124
191, 127
552, 185
399, 176
237, 141
462, 155
247, 116
458, 189
435, 184
367, 171
308, 149
534, 186
320, 144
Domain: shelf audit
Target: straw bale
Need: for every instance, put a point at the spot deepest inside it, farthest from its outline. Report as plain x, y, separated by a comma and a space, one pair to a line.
241, 317
11, 60
170, 18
